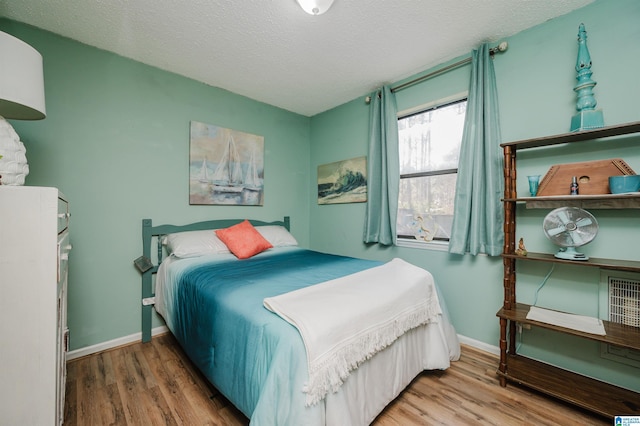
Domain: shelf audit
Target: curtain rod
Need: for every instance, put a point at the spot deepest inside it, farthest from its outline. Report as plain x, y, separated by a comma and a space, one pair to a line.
499, 48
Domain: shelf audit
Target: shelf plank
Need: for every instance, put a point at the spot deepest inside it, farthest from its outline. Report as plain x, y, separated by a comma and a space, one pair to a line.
600, 201
597, 262
600, 397
625, 336
570, 137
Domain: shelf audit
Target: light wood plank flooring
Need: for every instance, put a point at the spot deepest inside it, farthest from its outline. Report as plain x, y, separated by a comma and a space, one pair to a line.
155, 384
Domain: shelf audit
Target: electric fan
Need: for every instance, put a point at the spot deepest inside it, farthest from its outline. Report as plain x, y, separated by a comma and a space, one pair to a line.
570, 227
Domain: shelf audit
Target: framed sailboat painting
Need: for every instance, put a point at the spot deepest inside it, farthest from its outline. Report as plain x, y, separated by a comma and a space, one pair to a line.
226, 167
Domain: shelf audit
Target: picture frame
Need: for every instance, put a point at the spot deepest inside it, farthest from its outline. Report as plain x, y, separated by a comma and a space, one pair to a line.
226, 166
343, 181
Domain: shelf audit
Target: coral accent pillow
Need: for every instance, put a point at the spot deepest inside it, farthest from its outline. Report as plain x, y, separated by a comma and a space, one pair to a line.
243, 240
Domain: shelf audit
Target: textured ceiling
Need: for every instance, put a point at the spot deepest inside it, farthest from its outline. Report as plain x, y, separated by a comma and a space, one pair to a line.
271, 51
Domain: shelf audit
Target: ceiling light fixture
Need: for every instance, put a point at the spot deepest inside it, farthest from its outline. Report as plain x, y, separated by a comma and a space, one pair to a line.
315, 7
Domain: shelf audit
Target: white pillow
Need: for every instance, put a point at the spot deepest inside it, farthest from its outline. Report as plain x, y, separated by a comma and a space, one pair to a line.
194, 243
277, 235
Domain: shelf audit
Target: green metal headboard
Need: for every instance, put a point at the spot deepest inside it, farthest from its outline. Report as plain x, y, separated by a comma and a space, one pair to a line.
146, 266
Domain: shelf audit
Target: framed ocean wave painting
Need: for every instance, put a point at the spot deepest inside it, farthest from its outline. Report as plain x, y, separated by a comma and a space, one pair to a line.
343, 181
226, 167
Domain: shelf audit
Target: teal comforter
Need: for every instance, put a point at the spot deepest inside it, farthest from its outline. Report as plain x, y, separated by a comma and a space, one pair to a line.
214, 307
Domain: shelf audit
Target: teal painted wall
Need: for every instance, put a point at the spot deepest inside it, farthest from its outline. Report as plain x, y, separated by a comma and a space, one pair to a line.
535, 84
116, 142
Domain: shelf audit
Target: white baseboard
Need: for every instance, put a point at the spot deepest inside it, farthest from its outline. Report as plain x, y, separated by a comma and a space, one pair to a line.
121, 341
479, 345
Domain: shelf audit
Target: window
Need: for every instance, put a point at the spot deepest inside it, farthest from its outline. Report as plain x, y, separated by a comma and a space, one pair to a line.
429, 145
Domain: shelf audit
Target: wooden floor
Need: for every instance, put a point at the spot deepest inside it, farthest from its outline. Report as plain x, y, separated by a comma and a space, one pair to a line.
155, 384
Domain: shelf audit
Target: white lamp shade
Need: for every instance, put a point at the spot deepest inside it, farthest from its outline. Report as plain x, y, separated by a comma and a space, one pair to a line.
315, 7
21, 80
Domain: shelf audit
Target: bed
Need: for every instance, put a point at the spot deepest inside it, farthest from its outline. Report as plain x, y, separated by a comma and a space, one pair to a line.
238, 319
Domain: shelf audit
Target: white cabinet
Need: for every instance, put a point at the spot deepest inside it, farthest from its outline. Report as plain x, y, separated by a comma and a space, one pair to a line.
34, 250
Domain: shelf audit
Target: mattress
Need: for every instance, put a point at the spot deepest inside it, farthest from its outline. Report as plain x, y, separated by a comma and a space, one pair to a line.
213, 304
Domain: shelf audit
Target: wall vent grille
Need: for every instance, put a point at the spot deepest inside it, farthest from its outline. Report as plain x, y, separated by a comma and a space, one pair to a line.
621, 294
624, 301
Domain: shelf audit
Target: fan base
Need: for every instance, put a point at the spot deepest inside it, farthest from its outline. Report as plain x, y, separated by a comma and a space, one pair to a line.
571, 255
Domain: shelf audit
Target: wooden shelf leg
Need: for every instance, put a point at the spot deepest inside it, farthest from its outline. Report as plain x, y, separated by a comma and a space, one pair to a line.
503, 351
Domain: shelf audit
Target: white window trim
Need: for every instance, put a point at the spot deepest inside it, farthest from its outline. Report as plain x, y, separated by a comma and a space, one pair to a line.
449, 99
423, 245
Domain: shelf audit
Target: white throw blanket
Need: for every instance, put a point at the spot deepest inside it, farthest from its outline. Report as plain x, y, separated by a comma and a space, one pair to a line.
346, 321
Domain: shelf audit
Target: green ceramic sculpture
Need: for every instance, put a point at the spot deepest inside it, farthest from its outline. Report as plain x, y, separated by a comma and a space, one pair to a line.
587, 117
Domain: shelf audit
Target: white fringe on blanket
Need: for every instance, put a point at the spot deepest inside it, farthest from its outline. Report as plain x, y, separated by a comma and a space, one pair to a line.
344, 322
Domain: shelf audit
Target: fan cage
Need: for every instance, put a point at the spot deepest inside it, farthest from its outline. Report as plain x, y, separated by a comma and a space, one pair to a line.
566, 238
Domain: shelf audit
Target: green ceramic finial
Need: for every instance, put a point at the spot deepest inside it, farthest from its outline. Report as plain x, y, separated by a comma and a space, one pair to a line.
584, 59
585, 85
587, 117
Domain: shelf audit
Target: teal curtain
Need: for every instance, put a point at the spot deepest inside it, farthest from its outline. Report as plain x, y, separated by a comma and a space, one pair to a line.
383, 170
478, 215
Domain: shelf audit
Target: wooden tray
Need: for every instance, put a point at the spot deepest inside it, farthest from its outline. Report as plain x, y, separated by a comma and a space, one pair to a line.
593, 177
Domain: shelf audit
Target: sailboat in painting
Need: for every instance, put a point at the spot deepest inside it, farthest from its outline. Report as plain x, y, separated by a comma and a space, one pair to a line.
228, 174
204, 172
251, 179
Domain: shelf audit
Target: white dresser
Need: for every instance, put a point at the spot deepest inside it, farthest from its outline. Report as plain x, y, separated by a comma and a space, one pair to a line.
34, 250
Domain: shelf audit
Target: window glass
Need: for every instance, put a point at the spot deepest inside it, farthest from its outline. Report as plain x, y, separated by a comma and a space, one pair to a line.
429, 146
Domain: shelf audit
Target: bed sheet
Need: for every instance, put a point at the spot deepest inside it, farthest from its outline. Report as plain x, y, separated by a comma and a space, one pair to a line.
213, 305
